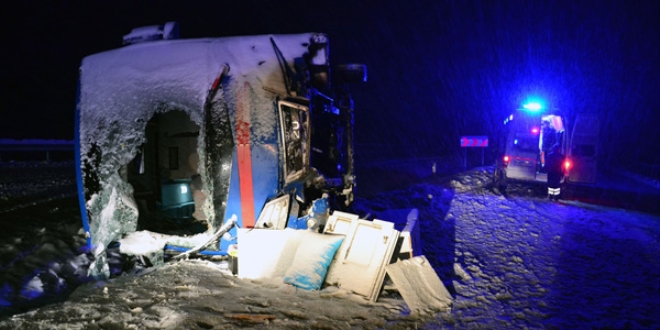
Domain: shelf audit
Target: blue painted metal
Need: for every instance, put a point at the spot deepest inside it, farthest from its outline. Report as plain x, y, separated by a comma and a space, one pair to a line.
265, 173
265, 168
318, 215
233, 204
79, 178
265, 159
298, 223
203, 252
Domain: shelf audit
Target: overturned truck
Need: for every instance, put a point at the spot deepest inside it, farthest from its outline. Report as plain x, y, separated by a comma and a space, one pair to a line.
180, 137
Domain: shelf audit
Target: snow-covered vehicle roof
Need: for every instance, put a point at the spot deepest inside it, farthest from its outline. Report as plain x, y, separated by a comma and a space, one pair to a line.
122, 84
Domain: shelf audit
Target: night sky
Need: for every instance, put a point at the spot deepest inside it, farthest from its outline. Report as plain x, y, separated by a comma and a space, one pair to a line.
437, 69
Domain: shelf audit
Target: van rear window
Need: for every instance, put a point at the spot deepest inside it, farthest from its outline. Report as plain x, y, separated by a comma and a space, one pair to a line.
526, 143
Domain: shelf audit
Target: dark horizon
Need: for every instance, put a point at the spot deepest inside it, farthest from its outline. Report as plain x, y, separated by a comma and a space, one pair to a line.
437, 71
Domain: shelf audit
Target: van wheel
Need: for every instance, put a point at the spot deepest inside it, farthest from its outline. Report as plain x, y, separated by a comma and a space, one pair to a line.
499, 179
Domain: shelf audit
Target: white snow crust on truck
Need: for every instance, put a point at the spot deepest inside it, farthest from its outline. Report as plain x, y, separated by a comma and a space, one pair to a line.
122, 89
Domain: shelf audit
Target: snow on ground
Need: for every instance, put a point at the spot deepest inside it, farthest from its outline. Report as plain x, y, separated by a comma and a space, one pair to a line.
514, 261
527, 262
201, 295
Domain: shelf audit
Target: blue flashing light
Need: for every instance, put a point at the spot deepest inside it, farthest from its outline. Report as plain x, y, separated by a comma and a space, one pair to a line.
515, 141
532, 106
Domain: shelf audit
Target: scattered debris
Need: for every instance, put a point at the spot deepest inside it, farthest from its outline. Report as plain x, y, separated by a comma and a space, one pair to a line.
229, 224
352, 254
360, 262
419, 285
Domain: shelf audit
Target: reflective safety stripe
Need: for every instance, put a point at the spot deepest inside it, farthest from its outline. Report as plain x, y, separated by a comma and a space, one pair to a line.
554, 191
245, 183
244, 154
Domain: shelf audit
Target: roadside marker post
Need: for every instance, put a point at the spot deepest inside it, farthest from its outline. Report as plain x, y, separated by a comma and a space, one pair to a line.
473, 142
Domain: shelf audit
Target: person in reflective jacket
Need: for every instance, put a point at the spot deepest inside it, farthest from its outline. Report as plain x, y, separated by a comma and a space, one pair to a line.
554, 164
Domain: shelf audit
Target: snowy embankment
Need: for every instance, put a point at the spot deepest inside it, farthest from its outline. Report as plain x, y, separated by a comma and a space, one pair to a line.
42, 245
519, 261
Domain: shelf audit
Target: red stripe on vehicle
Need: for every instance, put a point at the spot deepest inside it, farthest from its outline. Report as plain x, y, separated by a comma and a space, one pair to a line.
244, 154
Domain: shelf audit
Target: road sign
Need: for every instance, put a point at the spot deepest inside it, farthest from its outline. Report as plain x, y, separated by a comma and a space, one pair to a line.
474, 141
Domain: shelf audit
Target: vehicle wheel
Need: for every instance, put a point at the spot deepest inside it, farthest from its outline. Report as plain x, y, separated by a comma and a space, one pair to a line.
499, 179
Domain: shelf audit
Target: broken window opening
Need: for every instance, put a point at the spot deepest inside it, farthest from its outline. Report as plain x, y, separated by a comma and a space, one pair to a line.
167, 185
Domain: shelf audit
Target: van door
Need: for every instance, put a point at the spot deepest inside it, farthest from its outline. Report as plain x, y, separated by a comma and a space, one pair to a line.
583, 151
522, 147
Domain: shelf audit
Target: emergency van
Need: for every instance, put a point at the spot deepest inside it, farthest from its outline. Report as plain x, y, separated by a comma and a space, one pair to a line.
531, 133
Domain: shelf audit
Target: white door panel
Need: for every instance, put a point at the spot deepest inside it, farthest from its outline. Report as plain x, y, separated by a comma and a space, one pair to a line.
359, 265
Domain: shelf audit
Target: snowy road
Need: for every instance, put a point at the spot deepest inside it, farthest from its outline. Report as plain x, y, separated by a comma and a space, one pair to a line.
550, 264
510, 262
528, 262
